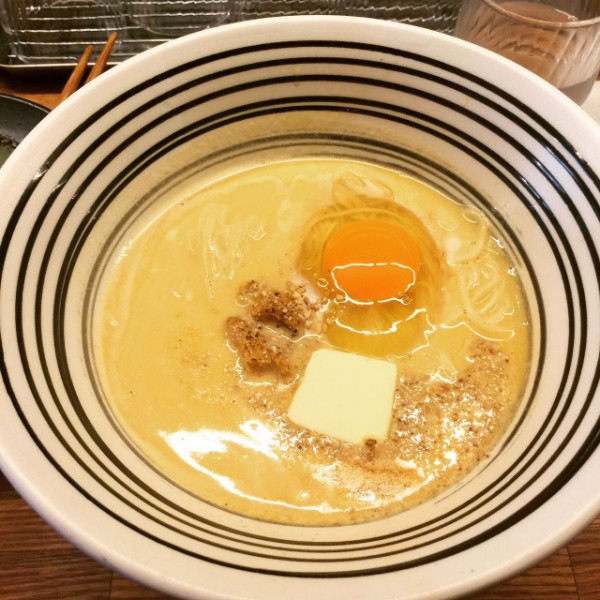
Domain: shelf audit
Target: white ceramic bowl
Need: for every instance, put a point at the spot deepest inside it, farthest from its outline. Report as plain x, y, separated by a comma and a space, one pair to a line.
485, 131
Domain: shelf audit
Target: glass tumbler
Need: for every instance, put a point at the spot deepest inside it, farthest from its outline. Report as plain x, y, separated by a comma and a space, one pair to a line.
438, 15
558, 40
57, 31
172, 18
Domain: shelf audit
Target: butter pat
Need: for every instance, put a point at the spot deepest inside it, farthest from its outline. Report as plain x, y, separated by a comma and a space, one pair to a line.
346, 396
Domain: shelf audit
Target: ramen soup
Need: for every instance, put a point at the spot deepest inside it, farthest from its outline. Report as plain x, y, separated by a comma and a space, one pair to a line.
313, 341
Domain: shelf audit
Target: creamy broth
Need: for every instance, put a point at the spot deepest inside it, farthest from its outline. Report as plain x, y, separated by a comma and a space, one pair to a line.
220, 429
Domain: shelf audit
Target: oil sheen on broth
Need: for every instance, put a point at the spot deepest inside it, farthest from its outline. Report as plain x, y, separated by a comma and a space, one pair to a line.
186, 388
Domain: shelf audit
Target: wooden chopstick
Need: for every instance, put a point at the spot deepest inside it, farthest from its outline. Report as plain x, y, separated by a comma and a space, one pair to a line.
100, 64
78, 72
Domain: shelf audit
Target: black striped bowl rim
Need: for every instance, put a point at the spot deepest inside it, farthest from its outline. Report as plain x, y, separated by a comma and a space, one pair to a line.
478, 127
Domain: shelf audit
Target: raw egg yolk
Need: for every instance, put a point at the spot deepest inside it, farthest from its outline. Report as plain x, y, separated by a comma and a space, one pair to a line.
371, 261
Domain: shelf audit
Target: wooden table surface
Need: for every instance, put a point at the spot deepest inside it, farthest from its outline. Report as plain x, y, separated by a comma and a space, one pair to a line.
37, 564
